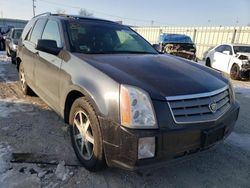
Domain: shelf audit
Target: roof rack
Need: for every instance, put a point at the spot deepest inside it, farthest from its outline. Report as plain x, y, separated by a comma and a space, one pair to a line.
43, 14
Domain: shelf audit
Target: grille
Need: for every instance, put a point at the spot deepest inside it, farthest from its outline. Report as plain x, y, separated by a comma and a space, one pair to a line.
199, 107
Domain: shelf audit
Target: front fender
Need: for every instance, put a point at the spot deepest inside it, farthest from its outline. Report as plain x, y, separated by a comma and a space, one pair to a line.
100, 89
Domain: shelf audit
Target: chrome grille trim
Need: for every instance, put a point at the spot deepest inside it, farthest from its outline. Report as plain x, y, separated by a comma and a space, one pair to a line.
199, 95
186, 109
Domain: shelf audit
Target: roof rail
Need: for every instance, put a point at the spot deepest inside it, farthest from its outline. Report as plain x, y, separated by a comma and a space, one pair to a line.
43, 14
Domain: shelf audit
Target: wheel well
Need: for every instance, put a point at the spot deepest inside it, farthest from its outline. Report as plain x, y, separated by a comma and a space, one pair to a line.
72, 96
208, 62
18, 61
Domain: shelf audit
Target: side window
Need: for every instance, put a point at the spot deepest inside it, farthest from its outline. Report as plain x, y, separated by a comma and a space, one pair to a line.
228, 48
37, 31
51, 32
220, 48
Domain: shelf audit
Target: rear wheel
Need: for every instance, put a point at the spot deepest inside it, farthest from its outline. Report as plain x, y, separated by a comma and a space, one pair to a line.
235, 72
86, 135
208, 62
24, 86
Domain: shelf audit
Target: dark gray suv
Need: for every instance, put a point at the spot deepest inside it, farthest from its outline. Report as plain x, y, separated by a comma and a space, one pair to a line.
127, 105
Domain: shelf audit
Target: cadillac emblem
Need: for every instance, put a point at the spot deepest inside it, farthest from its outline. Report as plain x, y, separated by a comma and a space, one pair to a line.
213, 107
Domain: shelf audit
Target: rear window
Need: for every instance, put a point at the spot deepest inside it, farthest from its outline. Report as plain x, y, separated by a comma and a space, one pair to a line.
17, 34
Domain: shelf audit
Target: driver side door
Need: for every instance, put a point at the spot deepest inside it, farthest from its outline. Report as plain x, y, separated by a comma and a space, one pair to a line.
47, 72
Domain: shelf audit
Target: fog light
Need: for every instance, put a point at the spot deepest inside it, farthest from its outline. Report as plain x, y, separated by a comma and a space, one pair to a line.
146, 147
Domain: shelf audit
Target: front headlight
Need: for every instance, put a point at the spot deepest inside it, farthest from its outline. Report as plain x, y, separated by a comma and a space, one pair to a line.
136, 109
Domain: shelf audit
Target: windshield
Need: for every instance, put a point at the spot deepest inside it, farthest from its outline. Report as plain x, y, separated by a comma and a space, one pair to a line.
102, 38
242, 49
17, 34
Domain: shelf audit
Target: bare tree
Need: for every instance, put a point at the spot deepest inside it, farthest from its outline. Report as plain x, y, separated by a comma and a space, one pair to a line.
60, 11
84, 12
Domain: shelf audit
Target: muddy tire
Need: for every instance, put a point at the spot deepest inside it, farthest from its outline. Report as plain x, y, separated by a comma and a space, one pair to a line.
24, 86
235, 72
86, 135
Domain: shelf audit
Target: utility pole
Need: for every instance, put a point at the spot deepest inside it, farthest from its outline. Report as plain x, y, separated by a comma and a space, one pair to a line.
33, 2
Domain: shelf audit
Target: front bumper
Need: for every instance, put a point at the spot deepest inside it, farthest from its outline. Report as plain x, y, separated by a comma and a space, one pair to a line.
121, 144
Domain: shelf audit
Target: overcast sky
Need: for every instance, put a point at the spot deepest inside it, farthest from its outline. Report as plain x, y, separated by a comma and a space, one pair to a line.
142, 12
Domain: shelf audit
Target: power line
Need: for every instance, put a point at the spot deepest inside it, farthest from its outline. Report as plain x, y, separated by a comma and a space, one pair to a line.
33, 5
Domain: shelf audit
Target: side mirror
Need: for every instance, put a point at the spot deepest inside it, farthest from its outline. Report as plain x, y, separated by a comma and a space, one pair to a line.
226, 52
49, 46
157, 47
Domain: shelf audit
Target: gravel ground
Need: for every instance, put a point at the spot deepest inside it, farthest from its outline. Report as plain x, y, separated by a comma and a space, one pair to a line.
31, 131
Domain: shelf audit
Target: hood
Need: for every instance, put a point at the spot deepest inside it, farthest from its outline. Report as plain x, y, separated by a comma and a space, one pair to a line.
159, 75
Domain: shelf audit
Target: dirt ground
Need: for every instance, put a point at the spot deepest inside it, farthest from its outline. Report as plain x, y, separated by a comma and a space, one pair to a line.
31, 133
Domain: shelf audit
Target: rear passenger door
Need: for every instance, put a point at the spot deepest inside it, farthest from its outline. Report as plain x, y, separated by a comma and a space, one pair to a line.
29, 52
47, 72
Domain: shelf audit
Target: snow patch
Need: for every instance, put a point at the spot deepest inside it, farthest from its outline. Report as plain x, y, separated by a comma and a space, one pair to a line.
62, 172
239, 140
3, 73
14, 179
13, 105
5, 157
4, 59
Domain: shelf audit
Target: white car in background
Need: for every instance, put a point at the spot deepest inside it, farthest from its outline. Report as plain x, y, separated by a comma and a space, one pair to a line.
233, 59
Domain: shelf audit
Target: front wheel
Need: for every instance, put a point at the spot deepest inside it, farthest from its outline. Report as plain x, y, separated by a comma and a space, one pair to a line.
86, 135
235, 72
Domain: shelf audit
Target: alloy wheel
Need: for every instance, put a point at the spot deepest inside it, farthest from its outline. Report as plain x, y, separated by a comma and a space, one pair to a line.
22, 79
83, 134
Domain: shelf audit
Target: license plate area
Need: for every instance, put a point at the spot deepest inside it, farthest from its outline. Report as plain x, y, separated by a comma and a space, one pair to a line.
211, 136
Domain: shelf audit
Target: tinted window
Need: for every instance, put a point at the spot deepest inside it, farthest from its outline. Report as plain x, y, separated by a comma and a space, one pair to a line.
16, 34
228, 48
37, 31
51, 32
220, 48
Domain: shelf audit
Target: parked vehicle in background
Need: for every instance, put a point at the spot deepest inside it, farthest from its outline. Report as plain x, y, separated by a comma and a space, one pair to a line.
233, 59
11, 42
4, 32
178, 45
127, 105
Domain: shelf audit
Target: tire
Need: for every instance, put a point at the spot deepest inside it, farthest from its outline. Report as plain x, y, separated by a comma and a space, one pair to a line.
208, 62
86, 135
235, 72
24, 86
13, 61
